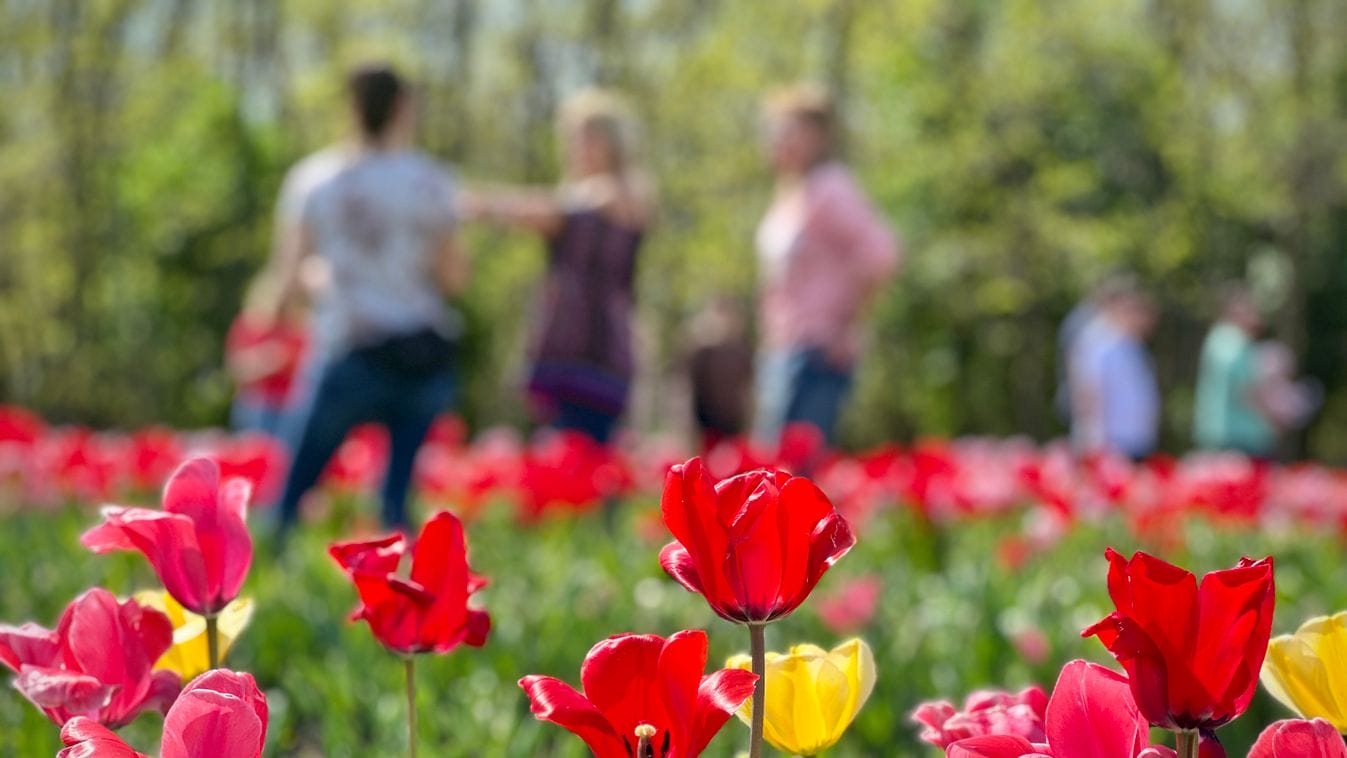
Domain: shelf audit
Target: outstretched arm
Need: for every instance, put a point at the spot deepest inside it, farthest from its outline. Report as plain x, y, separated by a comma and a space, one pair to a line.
536, 210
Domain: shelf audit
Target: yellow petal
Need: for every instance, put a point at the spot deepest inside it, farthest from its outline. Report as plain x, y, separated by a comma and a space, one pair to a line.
190, 654
1307, 671
785, 688
813, 694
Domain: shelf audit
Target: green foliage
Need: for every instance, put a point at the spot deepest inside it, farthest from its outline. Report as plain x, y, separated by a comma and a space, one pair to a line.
948, 616
1023, 149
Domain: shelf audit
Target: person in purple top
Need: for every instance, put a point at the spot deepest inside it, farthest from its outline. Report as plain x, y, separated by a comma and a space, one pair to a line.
594, 223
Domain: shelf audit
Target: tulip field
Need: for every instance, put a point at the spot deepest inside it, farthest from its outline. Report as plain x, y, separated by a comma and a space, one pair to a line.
976, 565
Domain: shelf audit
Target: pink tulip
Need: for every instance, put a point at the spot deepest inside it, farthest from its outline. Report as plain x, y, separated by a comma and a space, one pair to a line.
199, 544
99, 663
985, 713
1294, 738
221, 714
1091, 713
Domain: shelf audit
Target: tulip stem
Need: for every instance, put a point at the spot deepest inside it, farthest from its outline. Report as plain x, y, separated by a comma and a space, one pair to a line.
757, 649
1188, 744
410, 666
213, 640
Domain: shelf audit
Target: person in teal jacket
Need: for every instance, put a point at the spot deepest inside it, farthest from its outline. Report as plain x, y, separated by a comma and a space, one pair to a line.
1227, 413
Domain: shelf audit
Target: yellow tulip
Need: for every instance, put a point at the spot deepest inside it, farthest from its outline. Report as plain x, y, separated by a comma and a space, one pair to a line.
1307, 670
190, 654
813, 694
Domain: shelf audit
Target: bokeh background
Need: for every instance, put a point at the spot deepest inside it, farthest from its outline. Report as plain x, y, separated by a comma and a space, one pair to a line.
1023, 148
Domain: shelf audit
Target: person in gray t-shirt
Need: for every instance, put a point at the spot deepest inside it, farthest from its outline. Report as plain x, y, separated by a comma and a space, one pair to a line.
379, 230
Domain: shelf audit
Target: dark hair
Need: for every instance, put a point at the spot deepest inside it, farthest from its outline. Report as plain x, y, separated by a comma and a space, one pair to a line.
375, 91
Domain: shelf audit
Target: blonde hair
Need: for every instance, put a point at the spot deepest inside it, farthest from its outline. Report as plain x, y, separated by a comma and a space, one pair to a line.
606, 114
806, 102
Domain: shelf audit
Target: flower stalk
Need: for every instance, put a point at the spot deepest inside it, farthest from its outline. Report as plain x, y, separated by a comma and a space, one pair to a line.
757, 650
409, 665
1188, 744
213, 640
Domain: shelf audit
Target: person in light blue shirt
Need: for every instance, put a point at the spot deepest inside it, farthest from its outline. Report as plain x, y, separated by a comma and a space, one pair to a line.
1116, 403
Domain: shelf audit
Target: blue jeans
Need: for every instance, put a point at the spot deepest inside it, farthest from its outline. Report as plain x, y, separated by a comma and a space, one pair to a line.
799, 386
594, 424
351, 391
253, 414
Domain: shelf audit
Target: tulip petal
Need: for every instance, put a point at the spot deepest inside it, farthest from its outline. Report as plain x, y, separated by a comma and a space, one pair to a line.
689, 506
478, 627
27, 644
205, 722
804, 507
857, 661
111, 641
440, 564
677, 563
681, 663
86, 738
168, 541
752, 564
1146, 666
218, 513
1295, 738
619, 677
995, 746
1092, 713
555, 701
1304, 670
69, 691
719, 695
380, 556
1235, 607
220, 712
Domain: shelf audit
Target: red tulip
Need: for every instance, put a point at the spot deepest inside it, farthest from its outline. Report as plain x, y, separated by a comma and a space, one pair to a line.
753, 545
199, 544
985, 713
428, 612
1192, 654
1294, 738
98, 663
632, 680
153, 454
221, 714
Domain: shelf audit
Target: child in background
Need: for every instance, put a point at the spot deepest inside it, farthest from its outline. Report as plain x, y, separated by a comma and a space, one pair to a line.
720, 367
1289, 404
263, 356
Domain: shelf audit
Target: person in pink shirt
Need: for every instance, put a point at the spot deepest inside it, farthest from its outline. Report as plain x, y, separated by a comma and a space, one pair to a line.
824, 252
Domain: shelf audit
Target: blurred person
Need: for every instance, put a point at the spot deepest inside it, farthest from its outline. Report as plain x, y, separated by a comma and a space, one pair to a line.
1288, 402
1116, 403
823, 253
1227, 411
1075, 323
720, 369
382, 232
593, 223
263, 355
